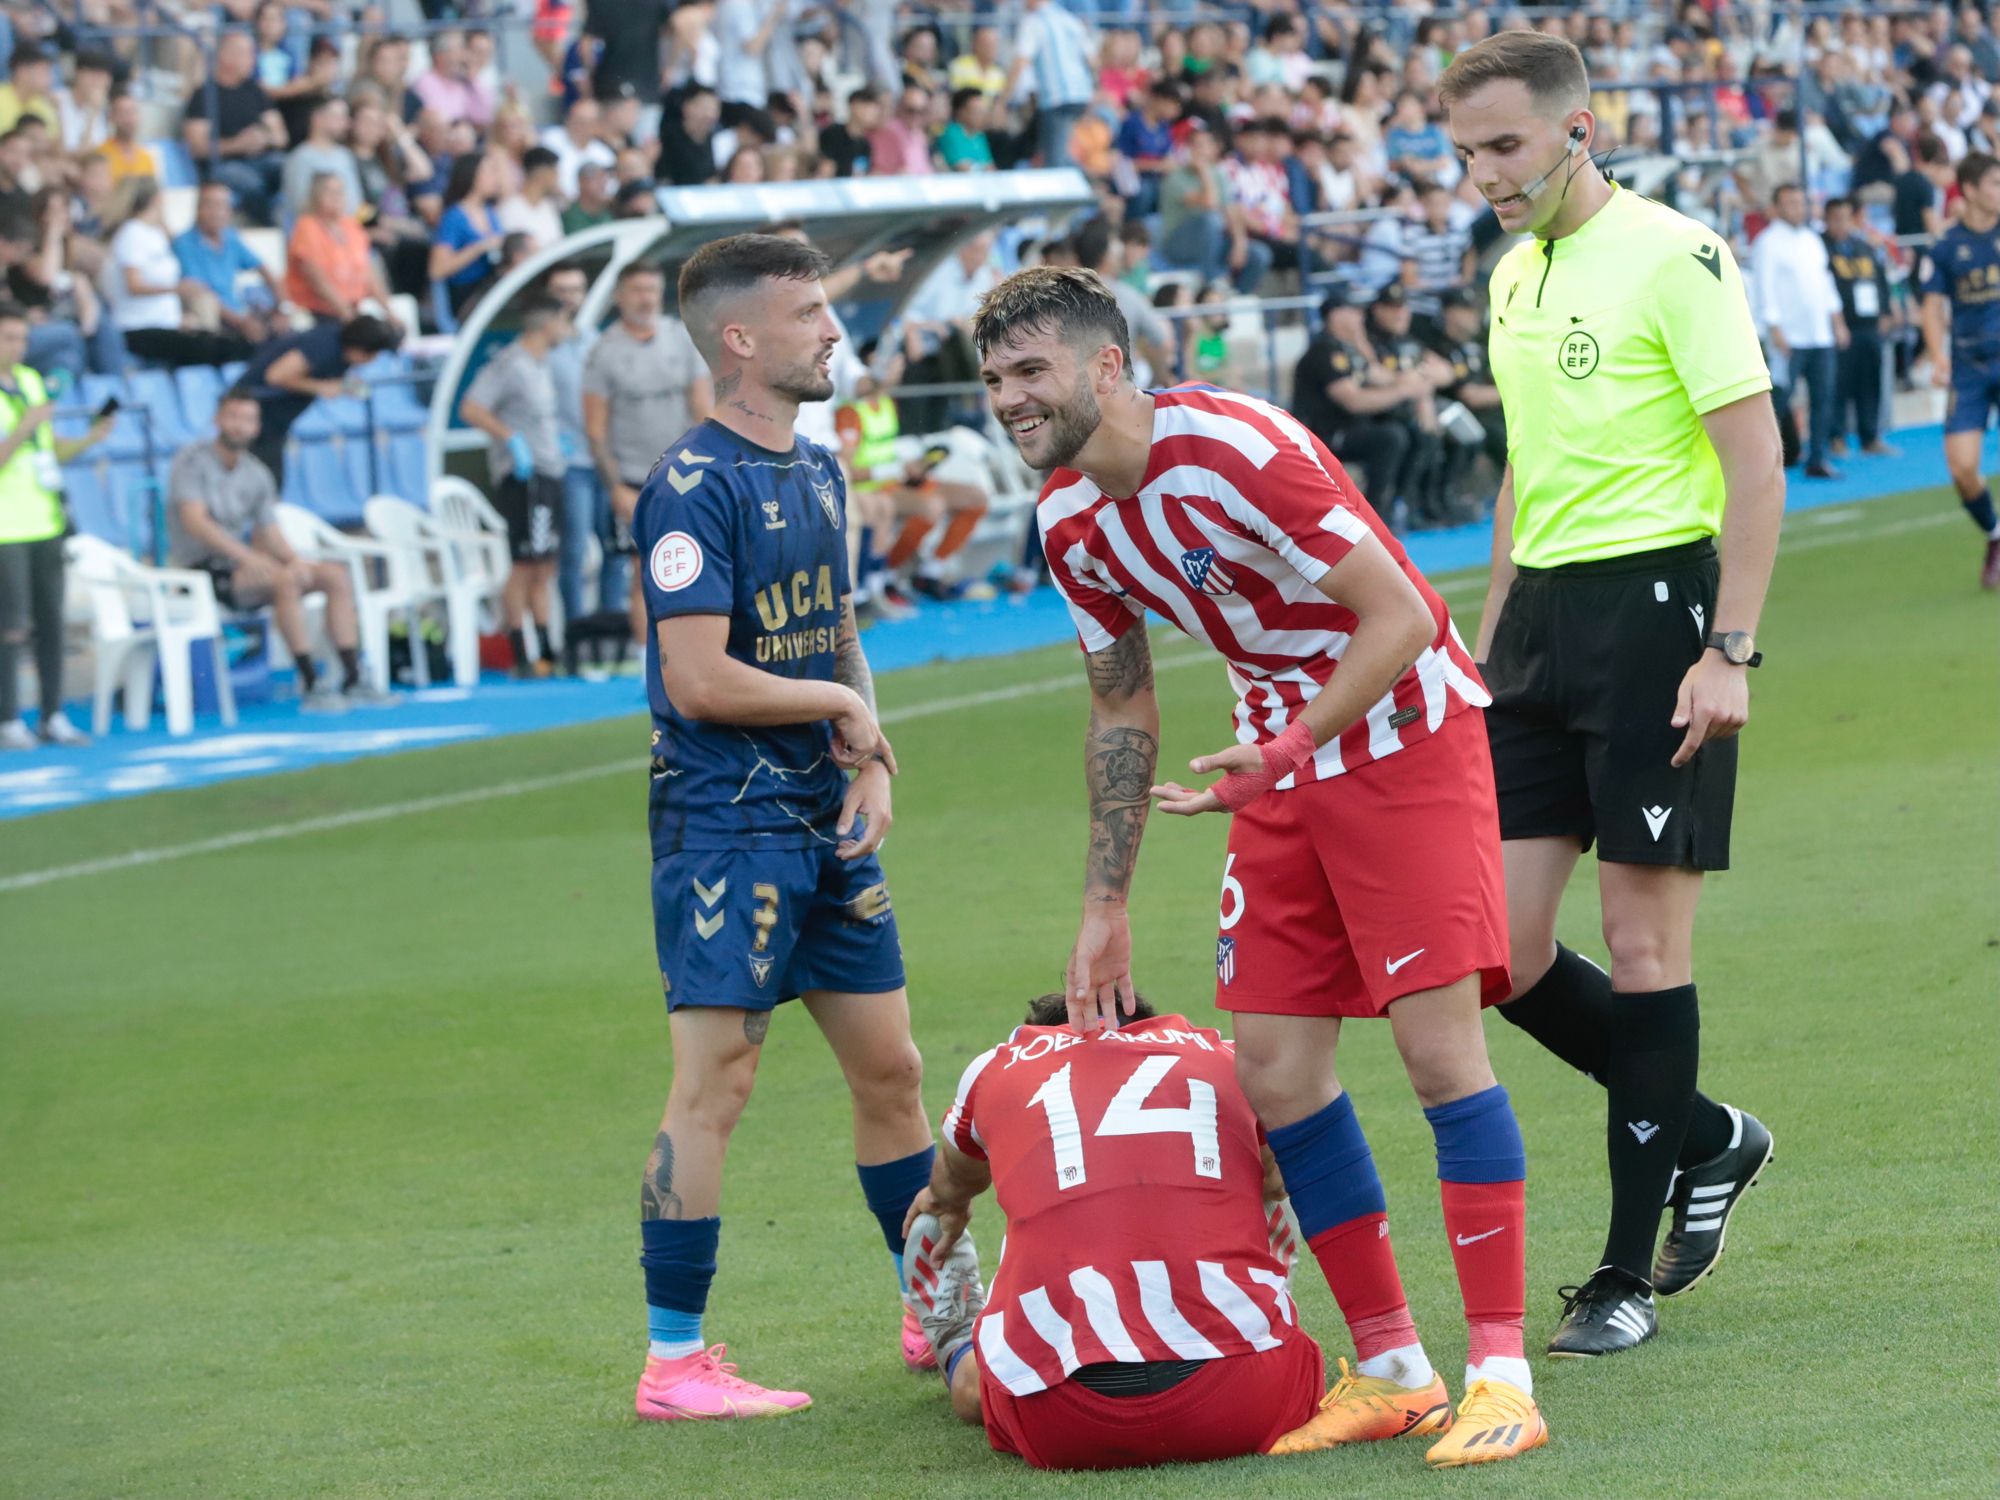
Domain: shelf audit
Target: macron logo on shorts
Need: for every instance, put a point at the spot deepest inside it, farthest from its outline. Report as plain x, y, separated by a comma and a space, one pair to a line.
1656, 819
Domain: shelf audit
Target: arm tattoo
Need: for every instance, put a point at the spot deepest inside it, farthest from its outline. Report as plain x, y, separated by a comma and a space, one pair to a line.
657, 1198
1119, 762
1124, 667
850, 665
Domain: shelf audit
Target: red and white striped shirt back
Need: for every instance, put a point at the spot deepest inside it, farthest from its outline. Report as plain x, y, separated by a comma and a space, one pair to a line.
1241, 512
1130, 1169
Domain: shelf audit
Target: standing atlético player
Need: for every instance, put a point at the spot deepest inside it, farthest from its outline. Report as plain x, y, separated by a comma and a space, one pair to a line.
1363, 875
765, 883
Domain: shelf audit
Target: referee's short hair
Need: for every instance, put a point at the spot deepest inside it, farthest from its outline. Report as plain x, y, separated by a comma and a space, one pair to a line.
1974, 167
1071, 302
1551, 67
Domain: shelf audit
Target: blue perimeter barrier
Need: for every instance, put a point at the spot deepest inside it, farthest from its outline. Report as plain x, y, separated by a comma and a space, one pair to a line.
274, 737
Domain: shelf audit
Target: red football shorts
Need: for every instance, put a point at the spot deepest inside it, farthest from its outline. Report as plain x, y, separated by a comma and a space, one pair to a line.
1341, 896
1232, 1406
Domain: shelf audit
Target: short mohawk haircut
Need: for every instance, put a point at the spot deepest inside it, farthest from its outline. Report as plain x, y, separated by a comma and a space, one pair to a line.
1073, 304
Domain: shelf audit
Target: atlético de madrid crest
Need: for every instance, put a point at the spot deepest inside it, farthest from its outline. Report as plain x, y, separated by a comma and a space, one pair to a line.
1207, 572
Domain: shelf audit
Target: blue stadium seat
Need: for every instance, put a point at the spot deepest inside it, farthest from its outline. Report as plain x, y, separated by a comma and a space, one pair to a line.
156, 391
176, 166
87, 488
232, 372
402, 466
97, 389
200, 389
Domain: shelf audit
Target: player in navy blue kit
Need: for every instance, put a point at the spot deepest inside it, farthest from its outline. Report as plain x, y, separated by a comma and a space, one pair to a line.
766, 887
1962, 290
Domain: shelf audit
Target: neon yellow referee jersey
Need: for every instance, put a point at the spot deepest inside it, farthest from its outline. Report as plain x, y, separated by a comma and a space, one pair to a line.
1608, 346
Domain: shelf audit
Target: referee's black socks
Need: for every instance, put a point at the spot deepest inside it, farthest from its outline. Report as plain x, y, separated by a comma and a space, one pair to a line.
1649, 1088
1569, 1012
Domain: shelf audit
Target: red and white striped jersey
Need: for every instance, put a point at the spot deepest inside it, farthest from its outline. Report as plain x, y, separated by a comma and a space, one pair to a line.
1130, 1169
1241, 512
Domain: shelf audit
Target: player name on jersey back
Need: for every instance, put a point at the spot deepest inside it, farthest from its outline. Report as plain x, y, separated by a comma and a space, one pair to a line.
1130, 1169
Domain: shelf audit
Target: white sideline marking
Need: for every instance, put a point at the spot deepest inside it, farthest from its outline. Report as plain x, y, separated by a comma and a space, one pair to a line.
140, 857
332, 821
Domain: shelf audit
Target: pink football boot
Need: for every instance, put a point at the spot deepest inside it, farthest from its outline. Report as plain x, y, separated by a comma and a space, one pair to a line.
701, 1387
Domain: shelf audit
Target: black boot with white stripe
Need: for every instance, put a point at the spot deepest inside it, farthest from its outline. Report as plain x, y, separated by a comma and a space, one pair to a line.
1613, 1311
1703, 1198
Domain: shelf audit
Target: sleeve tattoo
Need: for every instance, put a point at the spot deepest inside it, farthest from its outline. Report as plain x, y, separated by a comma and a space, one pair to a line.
1119, 763
850, 664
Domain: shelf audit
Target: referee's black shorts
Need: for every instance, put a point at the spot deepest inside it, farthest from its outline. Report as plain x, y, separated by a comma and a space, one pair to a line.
1585, 668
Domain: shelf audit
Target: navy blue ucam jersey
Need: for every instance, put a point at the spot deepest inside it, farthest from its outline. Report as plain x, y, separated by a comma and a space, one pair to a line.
1965, 267
730, 528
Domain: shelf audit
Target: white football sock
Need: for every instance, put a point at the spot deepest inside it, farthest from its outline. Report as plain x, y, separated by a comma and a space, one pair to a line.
1407, 1366
1502, 1367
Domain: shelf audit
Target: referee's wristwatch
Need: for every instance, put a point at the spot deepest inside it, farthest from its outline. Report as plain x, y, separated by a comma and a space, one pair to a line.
1738, 648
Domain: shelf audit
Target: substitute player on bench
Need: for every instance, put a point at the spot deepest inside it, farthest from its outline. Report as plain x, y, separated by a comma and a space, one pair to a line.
1962, 333
1617, 645
1363, 875
765, 881
1139, 1316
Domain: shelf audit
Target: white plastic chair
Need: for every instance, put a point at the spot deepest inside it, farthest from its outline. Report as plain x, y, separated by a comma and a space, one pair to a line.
370, 569
140, 615
426, 568
461, 509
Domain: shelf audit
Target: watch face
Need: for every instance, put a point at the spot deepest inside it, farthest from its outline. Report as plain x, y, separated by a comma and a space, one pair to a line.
1737, 646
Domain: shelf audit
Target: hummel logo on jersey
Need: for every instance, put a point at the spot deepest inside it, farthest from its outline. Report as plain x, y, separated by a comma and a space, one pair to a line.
1710, 257
1396, 963
693, 458
1645, 1130
682, 483
1473, 1239
1206, 573
710, 894
773, 518
1656, 819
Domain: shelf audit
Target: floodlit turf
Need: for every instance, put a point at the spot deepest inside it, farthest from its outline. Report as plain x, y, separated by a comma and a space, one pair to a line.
319, 1158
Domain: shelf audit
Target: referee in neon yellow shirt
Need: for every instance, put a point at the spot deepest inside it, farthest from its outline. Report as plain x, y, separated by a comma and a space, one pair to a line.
1615, 642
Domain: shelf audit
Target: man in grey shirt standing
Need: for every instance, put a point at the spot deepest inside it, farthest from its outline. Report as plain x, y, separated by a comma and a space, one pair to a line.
513, 401
222, 517
643, 384
586, 510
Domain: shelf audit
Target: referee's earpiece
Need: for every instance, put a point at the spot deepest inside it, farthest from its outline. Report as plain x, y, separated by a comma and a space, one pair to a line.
1534, 189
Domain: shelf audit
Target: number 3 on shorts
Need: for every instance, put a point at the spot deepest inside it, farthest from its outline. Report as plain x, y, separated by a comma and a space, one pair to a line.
1232, 896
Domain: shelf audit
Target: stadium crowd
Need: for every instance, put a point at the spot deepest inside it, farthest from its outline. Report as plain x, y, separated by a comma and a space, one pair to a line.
390, 164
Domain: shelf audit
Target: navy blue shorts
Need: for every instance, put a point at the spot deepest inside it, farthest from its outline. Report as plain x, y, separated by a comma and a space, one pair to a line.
753, 928
1975, 394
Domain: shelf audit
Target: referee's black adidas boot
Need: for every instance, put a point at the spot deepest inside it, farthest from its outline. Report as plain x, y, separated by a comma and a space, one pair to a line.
1612, 1311
1703, 1198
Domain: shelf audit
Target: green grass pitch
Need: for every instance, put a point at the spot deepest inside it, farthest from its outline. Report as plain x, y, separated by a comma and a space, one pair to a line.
319, 1157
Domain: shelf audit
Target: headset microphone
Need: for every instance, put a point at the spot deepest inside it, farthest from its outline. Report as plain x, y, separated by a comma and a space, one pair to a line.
1534, 189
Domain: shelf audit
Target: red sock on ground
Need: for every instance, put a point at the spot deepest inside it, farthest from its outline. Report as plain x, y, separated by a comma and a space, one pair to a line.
1360, 1267
1487, 1223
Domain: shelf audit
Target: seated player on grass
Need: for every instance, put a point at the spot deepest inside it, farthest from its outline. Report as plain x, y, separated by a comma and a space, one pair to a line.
1140, 1315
